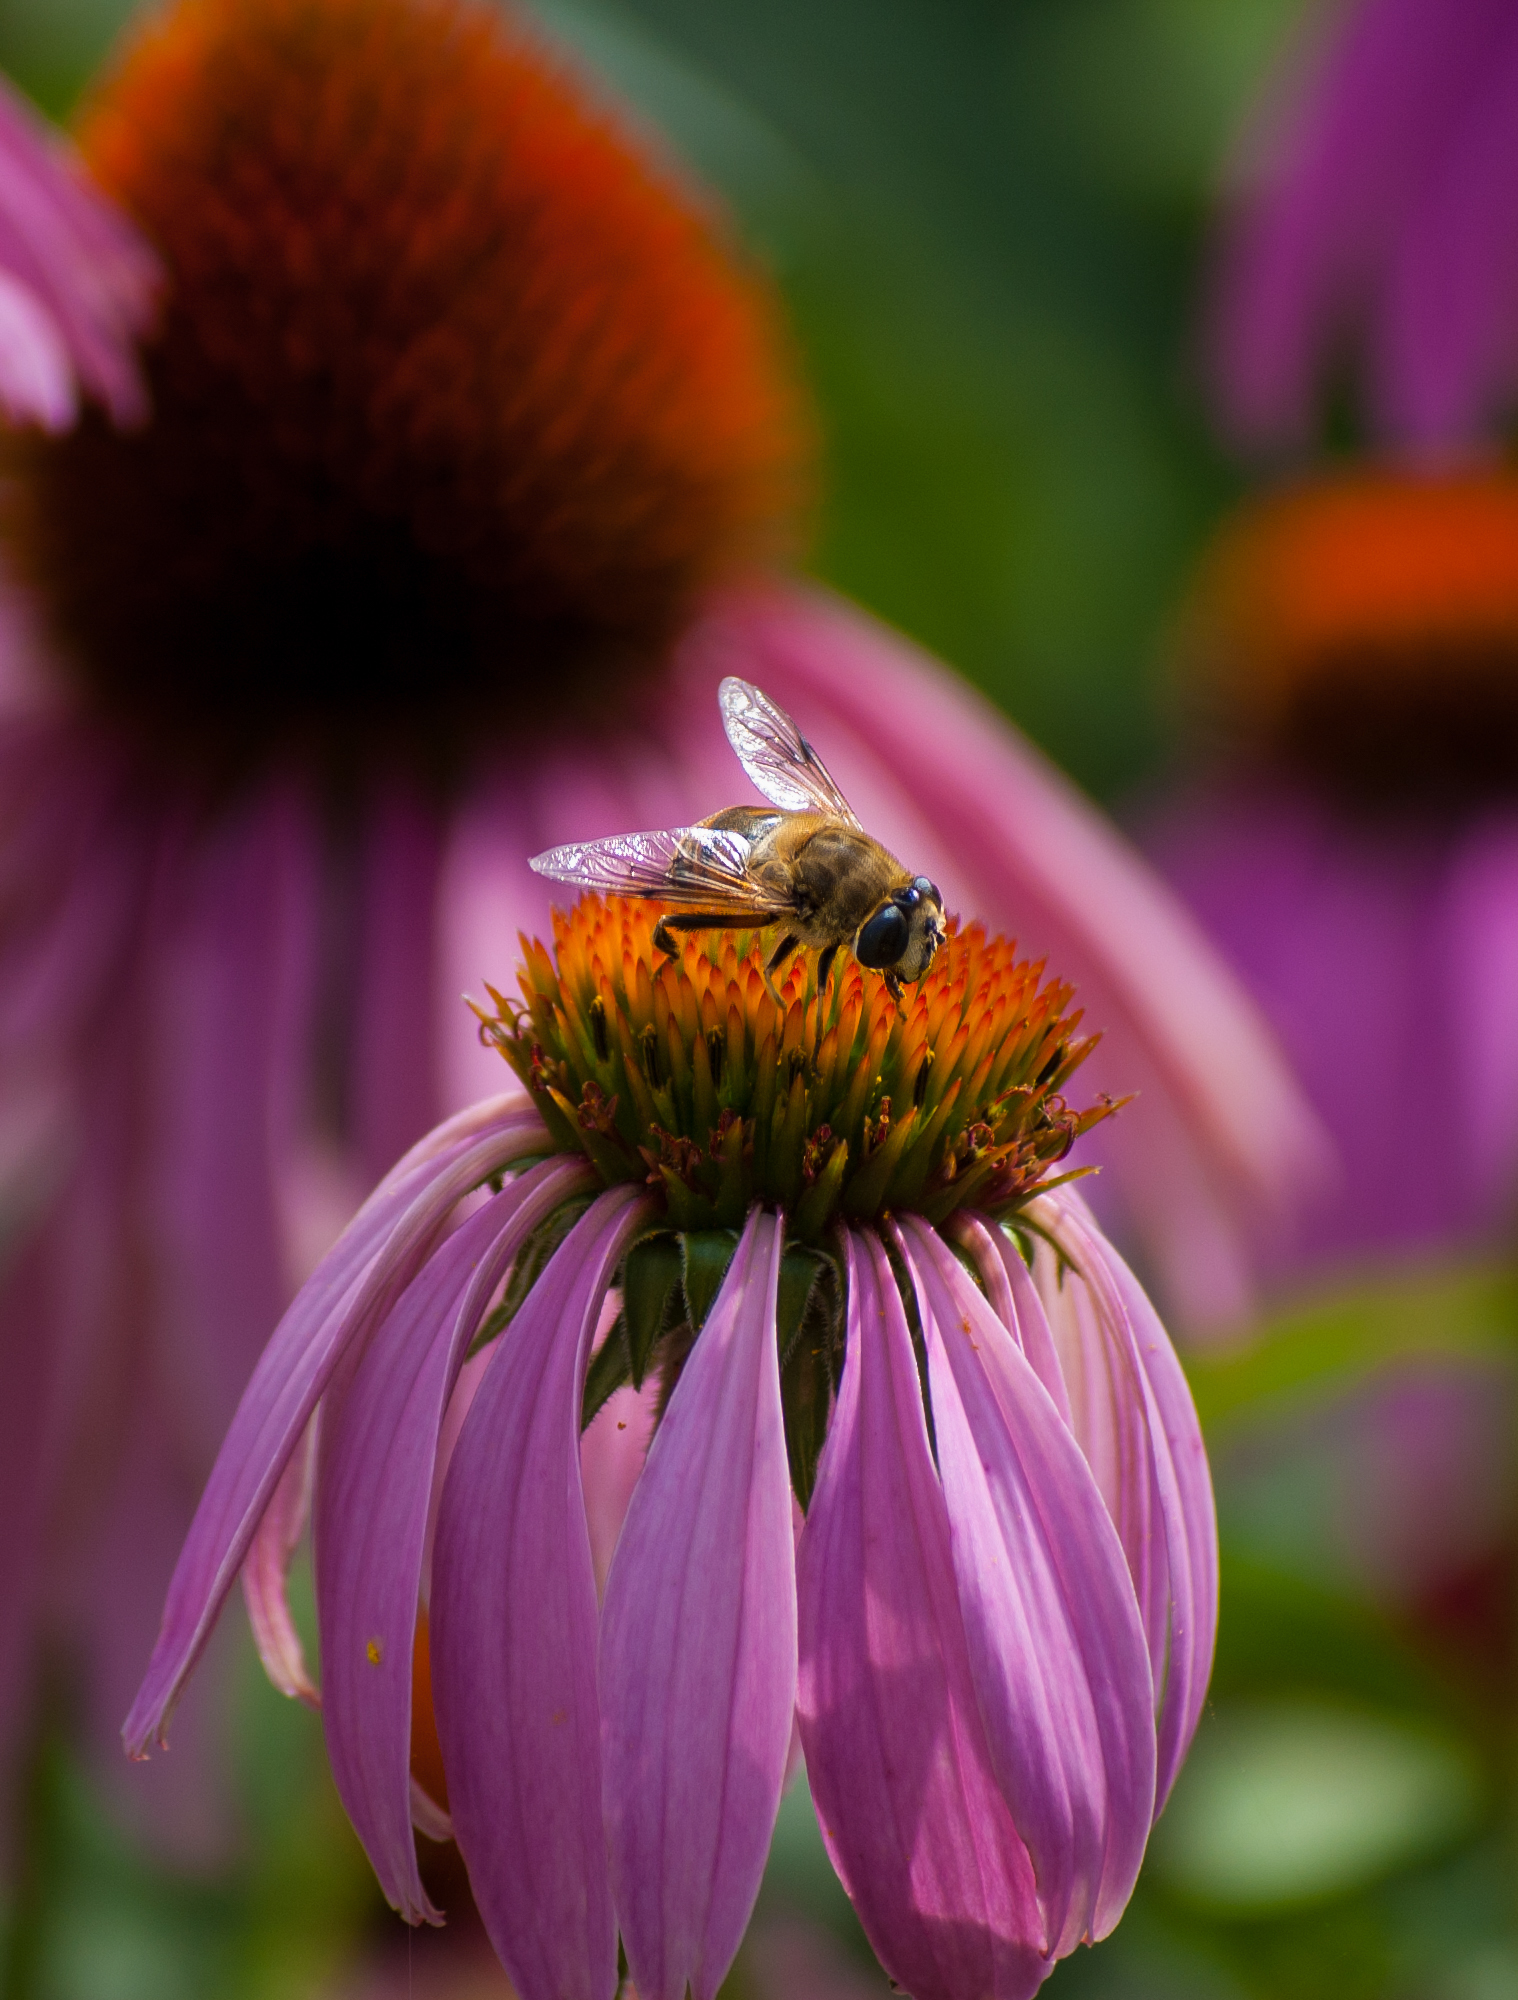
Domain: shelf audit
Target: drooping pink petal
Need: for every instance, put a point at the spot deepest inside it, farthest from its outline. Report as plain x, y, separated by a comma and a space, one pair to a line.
698, 1647
946, 782
343, 1301
84, 270
895, 1748
1057, 1649
1137, 1425
380, 1423
513, 1627
266, 1571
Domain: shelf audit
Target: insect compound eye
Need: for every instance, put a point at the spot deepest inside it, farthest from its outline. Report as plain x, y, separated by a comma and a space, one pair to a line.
883, 939
926, 888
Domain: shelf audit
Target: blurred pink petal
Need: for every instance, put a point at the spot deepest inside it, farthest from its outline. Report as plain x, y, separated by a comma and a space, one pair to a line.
1386, 955
76, 282
1381, 218
36, 378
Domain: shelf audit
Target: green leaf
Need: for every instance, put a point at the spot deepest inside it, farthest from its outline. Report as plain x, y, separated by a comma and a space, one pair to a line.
650, 1281
799, 1271
528, 1268
1289, 1802
807, 1345
610, 1368
707, 1254
1327, 1345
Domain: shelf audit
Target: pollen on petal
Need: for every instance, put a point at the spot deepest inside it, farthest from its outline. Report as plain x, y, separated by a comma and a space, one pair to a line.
461, 399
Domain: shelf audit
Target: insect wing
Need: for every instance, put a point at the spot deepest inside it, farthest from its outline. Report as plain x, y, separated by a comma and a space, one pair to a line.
775, 754
687, 867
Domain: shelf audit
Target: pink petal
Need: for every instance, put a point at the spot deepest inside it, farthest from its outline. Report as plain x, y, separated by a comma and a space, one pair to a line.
1382, 216
1015, 1300
612, 1452
36, 375
698, 1647
1056, 1647
1137, 1425
345, 1298
380, 1424
950, 786
895, 1748
514, 1633
266, 1571
85, 266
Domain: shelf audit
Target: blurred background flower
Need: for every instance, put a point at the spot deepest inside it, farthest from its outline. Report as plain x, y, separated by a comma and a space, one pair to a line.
989, 230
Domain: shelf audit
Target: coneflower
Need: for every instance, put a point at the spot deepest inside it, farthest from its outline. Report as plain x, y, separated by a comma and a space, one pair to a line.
865, 1288
469, 464
1351, 836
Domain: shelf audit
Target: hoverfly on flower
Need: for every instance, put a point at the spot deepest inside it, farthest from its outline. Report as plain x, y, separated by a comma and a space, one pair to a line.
809, 868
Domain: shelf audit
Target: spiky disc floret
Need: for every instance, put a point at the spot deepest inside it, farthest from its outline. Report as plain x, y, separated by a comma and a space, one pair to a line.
684, 1074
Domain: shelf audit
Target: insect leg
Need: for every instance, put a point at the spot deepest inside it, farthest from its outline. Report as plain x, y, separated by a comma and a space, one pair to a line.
778, 957
704, 921
824, 967
893, 987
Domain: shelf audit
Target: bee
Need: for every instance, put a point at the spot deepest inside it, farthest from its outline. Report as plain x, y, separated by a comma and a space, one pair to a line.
803, 864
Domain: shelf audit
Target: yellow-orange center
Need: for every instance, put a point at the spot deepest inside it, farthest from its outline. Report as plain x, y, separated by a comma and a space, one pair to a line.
685, 1075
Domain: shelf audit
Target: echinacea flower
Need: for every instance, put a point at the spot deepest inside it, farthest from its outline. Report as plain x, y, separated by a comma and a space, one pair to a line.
863, 1287
1352, 841
470, 463
1379, 219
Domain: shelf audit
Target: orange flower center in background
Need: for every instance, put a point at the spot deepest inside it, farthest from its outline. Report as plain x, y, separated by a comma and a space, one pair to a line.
1364, 627
460, 400
684, 1075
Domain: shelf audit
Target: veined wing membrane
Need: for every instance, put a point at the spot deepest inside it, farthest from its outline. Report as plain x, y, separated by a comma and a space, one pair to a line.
775, 754
685, 867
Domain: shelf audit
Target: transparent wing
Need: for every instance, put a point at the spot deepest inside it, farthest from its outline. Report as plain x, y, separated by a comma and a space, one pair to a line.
775, 754
686, 867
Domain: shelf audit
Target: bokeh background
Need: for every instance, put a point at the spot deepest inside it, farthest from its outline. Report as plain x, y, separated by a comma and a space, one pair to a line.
991, 222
